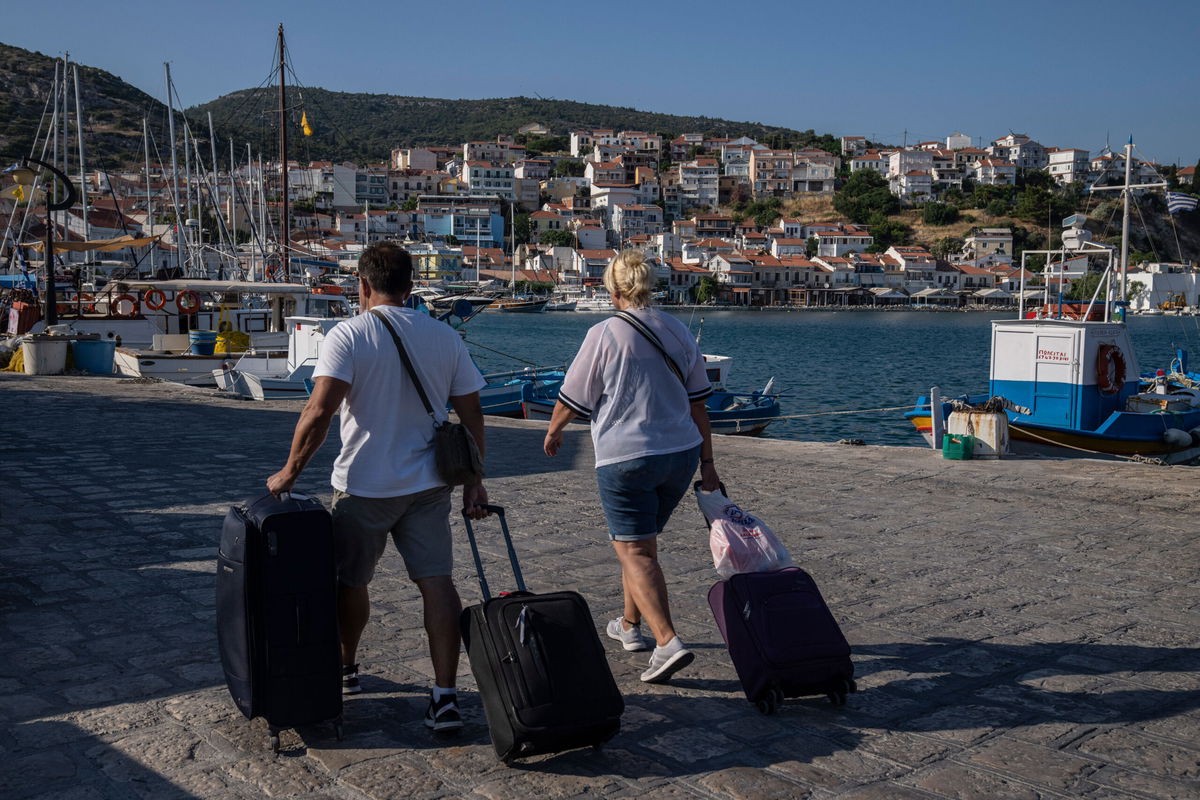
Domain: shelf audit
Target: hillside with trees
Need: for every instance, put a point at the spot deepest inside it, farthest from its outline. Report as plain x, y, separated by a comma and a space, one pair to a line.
365, 127
112, 109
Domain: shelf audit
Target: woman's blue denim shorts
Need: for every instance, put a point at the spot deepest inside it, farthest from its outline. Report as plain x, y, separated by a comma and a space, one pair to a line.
639, 495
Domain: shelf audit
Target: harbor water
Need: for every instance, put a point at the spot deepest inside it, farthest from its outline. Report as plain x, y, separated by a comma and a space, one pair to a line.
822, 361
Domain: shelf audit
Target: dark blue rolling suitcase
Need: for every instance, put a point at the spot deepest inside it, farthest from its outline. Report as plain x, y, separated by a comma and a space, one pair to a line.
782, 638
277, 612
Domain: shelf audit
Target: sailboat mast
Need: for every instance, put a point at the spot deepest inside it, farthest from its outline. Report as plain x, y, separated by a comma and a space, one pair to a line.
283, 165
262, 209
83, 193
174, 172
1125, 217
149, 196
233, 229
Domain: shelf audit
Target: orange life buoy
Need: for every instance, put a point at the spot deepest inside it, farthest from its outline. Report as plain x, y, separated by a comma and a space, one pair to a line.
1110, 369
114, 307
154, 299
187, 301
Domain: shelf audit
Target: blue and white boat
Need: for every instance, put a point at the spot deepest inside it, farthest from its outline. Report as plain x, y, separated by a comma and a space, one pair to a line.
1078, 385
506, 392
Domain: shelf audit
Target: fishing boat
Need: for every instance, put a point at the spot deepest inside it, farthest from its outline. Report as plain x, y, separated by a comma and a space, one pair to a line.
507, 391
1069, 379
561, 304
152, 321
734, 413
278, 375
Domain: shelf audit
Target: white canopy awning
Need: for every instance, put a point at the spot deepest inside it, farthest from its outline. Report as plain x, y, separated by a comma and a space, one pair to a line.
222, 287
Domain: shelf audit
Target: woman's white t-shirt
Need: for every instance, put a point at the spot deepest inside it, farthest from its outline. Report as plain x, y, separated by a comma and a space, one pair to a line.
387, 436
638, 407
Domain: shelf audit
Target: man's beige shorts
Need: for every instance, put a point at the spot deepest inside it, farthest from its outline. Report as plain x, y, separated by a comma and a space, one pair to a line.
419, 524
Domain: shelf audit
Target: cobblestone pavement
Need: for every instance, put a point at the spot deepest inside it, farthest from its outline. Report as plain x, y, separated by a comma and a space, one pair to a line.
1021, 629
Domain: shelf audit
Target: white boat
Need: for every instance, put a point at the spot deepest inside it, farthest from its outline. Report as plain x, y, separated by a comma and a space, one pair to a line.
276, 378
595, 303
561, 305
231, 375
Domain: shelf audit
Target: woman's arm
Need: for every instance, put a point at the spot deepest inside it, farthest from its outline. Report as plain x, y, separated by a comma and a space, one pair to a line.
709, 481
559, 420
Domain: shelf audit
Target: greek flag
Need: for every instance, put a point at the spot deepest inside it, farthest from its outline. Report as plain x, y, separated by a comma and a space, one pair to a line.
1178, 201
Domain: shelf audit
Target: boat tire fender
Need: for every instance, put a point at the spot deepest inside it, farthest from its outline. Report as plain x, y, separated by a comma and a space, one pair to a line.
187, 301
1110, 369
154, 299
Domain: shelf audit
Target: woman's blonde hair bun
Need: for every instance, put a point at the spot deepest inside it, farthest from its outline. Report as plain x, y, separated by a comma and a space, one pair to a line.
630, 275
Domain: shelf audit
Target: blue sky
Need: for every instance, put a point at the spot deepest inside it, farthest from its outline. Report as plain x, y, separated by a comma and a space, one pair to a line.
1067, 72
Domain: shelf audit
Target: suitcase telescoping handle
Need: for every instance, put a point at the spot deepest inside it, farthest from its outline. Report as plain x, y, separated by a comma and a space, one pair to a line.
512, 553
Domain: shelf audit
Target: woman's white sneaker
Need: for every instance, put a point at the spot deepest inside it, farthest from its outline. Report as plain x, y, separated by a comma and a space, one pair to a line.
665, 661
631, 639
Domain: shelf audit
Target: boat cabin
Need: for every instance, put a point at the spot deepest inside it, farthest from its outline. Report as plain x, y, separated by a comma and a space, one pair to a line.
1069, 373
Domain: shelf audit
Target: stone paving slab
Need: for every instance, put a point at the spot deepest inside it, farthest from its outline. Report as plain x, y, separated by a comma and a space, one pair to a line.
1020, 628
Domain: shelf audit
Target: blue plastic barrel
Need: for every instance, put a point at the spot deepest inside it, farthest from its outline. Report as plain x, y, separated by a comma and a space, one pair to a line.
203, 342
94, 355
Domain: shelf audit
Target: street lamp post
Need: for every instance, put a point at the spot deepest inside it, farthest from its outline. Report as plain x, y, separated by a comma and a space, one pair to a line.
24, 176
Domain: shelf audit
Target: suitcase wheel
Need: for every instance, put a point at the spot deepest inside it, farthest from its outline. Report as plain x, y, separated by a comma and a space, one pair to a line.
837, 695
770, 701
273, 741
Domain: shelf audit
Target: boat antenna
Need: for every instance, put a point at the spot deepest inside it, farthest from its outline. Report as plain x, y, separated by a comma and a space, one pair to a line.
699, 330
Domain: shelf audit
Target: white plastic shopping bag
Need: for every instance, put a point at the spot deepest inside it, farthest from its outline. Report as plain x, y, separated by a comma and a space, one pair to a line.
740, 542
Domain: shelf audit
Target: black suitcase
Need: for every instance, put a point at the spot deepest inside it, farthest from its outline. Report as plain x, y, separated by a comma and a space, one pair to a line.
542, 674
277, 613
782, 637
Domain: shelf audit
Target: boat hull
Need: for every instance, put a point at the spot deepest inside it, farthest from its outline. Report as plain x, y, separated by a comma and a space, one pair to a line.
520, 306
182, 368
750, 419
1026, 439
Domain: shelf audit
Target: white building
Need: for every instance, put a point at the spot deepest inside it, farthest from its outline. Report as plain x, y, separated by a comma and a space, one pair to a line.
698, 183
1069, 165
484, 177
1020, 150
1164, 283
957, 141
413, 158
995, 172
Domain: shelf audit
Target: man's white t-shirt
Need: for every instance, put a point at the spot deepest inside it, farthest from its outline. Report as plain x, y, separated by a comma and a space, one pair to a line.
637, 405
387, 436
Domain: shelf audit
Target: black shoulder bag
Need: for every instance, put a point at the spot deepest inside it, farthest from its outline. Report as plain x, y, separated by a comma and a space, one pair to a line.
454, 449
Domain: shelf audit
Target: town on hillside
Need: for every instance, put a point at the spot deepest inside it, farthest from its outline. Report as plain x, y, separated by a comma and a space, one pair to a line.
726, 221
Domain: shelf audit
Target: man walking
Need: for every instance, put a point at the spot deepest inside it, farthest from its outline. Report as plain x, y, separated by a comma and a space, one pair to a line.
384, 478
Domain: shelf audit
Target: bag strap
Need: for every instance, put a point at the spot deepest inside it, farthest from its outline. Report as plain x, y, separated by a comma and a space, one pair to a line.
408, 365
641, 328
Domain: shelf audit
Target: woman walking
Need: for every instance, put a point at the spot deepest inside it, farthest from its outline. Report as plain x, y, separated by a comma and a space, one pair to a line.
639, 376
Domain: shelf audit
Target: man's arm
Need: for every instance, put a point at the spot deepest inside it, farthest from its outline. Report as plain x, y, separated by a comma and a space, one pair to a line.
311, 429
470, 413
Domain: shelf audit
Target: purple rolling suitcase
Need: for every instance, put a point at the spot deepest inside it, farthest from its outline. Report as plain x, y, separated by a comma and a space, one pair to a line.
782, 638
